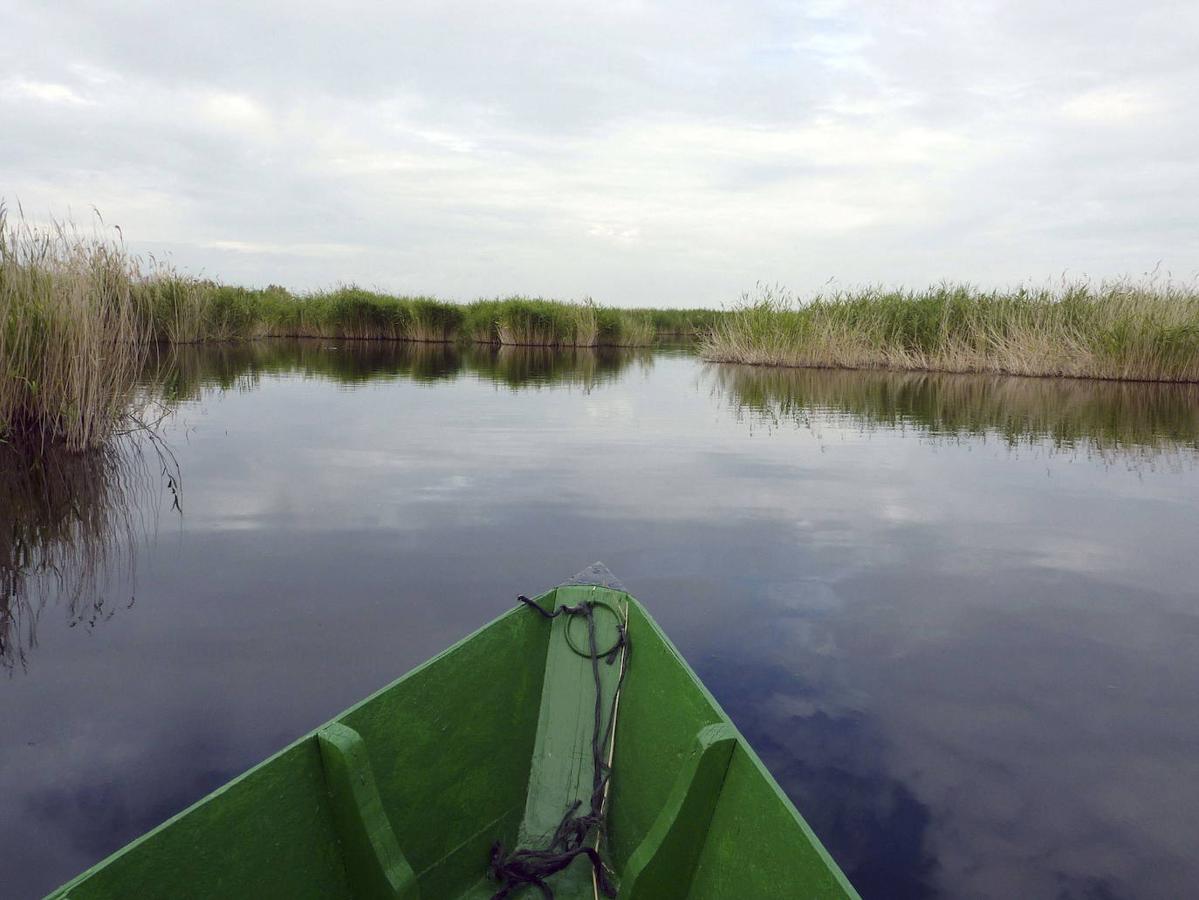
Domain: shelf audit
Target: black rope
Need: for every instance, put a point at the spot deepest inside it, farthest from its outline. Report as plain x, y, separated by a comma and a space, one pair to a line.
524, 867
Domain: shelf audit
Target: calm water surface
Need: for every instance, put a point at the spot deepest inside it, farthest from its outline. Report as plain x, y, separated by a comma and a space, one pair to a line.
958, 617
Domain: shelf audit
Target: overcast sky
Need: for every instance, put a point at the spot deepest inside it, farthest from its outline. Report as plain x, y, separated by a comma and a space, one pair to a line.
669, 154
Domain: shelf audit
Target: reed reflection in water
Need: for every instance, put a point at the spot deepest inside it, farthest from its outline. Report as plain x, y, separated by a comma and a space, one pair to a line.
1137, 420
68, 523
184, 372
1133, 421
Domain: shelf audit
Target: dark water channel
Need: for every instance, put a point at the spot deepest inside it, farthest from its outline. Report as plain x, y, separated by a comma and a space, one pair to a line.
958, 617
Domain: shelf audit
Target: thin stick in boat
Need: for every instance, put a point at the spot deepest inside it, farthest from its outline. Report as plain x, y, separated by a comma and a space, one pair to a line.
611, 741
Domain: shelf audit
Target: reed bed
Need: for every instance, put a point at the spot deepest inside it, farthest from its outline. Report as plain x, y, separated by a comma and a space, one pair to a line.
518, 321
1118, 330
72, 336
630, 328
681, 323
179, 309
80, 316
183, 311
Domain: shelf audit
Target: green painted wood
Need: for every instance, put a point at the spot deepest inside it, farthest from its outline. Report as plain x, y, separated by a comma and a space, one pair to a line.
450, 745
661, 711
758, 847
470, 748
661, 868
769, 846
451, 750
374, 863
562, 770
269, 833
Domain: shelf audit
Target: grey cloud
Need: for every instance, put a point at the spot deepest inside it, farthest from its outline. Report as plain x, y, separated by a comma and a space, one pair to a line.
661, 154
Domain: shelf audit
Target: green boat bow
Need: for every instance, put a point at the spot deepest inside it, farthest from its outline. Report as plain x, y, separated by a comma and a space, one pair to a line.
559, 739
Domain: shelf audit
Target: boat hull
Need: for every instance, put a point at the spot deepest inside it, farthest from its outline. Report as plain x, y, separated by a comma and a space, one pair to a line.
404, 794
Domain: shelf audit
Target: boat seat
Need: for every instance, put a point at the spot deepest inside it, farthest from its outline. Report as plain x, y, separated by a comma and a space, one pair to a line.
662, 866
374, 862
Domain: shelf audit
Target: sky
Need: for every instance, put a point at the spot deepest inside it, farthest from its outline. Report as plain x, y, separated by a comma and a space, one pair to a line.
669, 154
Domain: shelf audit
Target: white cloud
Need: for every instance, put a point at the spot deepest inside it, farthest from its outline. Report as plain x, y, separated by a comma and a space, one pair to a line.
269, 249
1112, 105
19, 89
235, 112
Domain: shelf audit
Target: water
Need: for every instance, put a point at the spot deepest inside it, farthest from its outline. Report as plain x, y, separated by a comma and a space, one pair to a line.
958, 617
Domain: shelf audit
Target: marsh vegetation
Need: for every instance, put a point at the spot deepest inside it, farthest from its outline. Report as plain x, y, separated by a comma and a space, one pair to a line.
182, 310
82, 321
1121, 330
72, 335
81, 317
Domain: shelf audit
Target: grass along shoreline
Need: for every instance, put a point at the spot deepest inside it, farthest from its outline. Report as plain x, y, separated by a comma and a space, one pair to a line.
80, 316
181, 310
1117, 330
